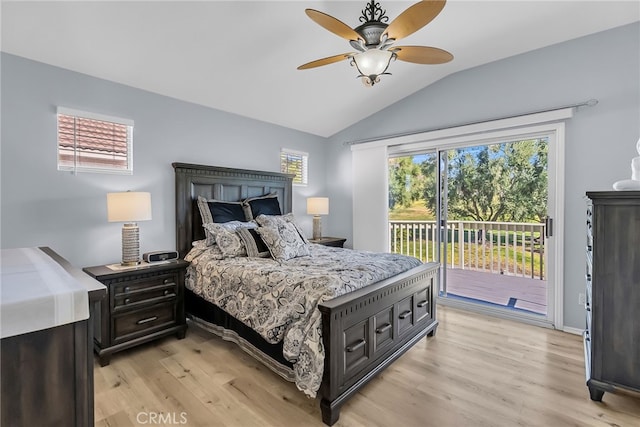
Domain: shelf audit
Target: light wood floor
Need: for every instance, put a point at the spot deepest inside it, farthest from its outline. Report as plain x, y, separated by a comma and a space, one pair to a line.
477, 371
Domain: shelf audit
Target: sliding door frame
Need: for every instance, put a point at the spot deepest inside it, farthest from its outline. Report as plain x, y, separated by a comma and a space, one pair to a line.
536, 125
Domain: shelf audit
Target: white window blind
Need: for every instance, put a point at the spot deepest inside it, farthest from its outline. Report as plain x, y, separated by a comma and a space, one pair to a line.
89, 142
295, 162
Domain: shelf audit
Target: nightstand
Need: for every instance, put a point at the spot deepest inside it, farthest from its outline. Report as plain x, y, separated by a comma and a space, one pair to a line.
329, 241
144, 303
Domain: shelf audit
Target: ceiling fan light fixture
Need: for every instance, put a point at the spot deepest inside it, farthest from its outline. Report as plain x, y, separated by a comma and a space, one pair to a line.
374, 39
372, 64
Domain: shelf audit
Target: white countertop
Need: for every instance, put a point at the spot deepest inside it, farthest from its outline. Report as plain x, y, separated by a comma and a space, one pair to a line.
37, 293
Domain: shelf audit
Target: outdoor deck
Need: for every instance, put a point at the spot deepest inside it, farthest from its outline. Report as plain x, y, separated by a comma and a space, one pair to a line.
519, 293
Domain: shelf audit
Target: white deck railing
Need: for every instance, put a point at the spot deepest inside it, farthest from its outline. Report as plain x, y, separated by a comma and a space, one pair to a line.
511, 248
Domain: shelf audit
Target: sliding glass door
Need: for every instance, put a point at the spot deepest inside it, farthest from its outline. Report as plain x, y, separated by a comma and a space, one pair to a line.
480, 209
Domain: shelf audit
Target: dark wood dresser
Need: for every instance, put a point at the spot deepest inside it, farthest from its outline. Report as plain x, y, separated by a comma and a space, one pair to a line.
47, 373
144, 303
612, 335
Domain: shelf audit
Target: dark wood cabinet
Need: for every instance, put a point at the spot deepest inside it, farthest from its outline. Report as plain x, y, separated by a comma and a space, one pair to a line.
612, 335
337, 242
47, 374
144, 303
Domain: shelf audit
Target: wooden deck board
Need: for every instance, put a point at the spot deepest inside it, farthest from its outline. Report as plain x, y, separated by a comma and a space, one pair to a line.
500, 289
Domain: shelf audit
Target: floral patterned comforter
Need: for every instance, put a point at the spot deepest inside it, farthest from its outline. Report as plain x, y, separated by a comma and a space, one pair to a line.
279, 300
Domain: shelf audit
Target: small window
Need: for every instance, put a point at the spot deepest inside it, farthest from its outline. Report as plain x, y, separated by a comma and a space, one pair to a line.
294, 162
89, 142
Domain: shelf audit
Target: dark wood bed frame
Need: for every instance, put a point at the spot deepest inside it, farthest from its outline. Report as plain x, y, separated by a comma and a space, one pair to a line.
363, 331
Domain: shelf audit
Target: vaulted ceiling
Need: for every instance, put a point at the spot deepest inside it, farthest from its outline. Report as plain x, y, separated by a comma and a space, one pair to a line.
241, 56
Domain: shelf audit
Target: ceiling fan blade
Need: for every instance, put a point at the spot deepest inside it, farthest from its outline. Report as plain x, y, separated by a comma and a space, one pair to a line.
332, 24
422, 54
414, 18
325, 61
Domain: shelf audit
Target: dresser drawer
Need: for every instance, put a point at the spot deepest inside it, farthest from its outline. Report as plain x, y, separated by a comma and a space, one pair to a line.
405, 315
423, 305
132, 324
356, 348
382, 329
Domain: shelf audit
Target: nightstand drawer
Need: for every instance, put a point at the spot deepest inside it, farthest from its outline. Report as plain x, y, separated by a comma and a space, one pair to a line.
337, 242
132, 286
146, 295
140, 322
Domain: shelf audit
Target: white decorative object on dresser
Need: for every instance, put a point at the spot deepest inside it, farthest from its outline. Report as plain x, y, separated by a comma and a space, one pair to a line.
632, 184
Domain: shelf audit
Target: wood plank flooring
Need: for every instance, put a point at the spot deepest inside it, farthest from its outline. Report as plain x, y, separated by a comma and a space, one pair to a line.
477, 371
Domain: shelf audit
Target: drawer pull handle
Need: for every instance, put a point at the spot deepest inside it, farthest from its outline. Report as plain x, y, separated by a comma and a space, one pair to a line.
167, 281
147, 320
361, 342
126, 301
127, 289
384, 328
423, 303
405, 314
168, 293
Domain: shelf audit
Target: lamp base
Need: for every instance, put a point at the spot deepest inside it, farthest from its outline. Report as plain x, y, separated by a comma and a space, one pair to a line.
130, 244
317, 228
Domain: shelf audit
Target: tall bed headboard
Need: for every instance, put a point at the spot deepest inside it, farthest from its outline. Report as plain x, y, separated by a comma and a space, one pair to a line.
226, 184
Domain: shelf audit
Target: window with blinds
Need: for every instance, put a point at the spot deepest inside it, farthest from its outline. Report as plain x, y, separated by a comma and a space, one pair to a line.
294, 162
89, 142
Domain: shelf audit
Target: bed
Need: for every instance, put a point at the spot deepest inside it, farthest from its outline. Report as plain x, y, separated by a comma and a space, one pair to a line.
361, 332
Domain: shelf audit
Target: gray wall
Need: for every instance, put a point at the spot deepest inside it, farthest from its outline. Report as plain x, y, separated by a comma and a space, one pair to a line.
600, 141
41, 206
44, 207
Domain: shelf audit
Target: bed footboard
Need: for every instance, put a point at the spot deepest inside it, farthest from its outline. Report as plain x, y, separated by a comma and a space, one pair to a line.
366, 330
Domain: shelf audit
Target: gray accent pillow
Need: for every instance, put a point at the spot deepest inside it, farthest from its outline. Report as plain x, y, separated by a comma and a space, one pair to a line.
227, 238
284, 241
277, 220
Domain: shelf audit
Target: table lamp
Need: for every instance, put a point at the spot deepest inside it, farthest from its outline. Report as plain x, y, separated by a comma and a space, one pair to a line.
317, 206
129, 207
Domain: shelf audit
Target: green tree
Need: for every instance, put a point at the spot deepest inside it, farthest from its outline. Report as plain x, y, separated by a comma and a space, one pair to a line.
498, 182
406, 182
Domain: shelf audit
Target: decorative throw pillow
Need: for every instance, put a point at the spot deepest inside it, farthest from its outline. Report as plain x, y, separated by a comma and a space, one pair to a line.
276, 220
227, 238
220, 211
253, 243
210, 232
284, 241
262, 205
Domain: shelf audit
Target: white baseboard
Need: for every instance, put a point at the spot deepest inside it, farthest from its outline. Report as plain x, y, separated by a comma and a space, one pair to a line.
574, 331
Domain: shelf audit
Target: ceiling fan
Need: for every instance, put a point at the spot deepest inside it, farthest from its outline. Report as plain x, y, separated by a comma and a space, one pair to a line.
374, 38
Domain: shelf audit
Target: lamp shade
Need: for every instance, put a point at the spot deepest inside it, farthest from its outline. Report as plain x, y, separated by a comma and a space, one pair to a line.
318, 205
128, 206
373, 62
